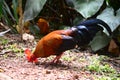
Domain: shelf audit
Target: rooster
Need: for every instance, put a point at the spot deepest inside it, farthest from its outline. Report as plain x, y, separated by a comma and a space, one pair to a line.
56, 42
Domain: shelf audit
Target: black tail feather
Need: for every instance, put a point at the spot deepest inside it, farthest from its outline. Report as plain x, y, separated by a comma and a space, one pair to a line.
86, 30
95, 22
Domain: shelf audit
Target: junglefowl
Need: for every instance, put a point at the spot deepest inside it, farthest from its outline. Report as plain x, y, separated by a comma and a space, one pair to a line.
43, 26
56, 42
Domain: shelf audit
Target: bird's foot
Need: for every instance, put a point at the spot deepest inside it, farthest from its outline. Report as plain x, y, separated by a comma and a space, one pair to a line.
53, 63
57, 59
56, 62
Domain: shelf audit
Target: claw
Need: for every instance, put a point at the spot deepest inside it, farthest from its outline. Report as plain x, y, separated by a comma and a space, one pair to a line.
56, 60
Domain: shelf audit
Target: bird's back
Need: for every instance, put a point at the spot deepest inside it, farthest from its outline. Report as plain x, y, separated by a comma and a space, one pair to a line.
48, 45
55, 43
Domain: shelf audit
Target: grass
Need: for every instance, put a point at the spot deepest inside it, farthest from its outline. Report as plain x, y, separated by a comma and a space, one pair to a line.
106, 78
3, 41
10, 47
99, 67
67, 58
15, 48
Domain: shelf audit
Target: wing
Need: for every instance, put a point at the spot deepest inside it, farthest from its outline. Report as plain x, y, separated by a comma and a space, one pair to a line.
68, 42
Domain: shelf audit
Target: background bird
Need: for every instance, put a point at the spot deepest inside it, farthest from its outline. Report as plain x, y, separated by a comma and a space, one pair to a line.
56, 42
43, 26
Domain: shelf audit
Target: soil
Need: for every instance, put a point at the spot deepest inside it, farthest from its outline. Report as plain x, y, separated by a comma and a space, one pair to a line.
15, 66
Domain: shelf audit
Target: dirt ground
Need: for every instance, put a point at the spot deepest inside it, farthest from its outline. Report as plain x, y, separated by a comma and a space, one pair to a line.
15, 66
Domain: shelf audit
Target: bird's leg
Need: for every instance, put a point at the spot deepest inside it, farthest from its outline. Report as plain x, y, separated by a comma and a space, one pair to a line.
56, 59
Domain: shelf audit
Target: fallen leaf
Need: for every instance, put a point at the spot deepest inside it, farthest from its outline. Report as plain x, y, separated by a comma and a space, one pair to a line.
113, 48
1, 70
48, 71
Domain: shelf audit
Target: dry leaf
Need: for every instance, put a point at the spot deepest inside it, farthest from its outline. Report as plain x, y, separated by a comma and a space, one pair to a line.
1, 70
26, 27
113, 48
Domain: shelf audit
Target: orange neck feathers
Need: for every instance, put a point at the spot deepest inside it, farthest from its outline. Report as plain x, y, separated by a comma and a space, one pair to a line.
30, 57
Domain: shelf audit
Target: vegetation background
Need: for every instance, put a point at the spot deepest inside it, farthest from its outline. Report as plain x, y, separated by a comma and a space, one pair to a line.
21, 16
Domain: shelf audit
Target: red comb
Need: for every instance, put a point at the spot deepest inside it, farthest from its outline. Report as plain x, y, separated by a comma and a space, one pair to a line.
30, 57
27, 54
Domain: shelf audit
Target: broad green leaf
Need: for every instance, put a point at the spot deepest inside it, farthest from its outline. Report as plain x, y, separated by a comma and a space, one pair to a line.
87, 7
78, 19
32, 8
99, 41
108, 16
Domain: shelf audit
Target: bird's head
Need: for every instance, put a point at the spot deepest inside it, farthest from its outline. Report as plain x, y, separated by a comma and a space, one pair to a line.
30, 57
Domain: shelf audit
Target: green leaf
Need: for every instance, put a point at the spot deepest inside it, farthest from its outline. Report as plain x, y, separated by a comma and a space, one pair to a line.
6, 17
1, 3
15, 6
32, 8
99, 41
108, 16
87, 7
6, 7
78, 19
34, 29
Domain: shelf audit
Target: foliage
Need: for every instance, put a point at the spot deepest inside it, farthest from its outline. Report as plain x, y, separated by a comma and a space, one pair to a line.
107, 78
96, 66
99, 67
3, 41
103, 40
15, 49
67, 58
61, 13
8, 13
87, 7
31, 11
